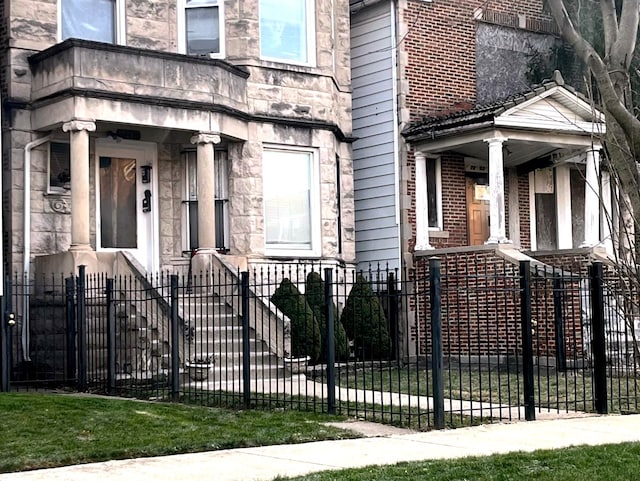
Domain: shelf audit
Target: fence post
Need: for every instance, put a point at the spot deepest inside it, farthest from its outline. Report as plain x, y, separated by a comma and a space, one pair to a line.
111, 339
436, 342
598, 344
527, 341
331, 343
6, 326
81, 317
71, 327
392, 293
175, 341
246, 364
561, 357
5, 359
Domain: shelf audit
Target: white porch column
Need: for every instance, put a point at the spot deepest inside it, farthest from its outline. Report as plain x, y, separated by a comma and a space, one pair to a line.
497, 230
563, 207
422, 204
592, 200
79, 145
206, 185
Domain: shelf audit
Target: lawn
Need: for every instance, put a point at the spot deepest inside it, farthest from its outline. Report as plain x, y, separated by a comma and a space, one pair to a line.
615, 462
46, 430
554, 390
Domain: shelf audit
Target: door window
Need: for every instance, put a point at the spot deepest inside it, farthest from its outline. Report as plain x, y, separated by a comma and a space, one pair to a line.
118, 206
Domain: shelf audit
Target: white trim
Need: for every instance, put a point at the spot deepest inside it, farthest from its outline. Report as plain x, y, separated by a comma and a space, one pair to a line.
532, 122
566, 98
119, 17
315, 214
396, 133
147, 154
181, 27
533, 232
311, 38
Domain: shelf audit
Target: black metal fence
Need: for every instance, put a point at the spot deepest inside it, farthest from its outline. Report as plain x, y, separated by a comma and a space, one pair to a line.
447, 343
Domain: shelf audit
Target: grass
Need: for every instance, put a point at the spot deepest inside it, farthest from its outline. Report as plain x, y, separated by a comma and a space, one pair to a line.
46, 430
614, 462
568, 391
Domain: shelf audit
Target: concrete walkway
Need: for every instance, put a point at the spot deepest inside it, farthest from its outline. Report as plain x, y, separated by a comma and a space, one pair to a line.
265, 463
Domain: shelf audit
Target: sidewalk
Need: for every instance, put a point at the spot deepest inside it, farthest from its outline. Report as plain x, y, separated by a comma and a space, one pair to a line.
265, 463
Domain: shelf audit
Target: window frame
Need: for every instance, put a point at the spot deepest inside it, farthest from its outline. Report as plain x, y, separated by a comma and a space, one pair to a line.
119, 17
310, 28
190, 160
182, 26
296, 249
55, 189
438, 198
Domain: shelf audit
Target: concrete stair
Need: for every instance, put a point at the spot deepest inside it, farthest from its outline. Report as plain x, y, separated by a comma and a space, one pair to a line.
212, 329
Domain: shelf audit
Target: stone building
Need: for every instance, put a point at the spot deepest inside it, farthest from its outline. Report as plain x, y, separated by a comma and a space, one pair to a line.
157, 127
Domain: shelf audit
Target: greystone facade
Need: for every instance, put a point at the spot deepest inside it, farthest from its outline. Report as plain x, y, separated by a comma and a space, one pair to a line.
167, 99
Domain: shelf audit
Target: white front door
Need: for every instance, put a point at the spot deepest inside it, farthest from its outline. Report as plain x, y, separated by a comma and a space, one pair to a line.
126, 200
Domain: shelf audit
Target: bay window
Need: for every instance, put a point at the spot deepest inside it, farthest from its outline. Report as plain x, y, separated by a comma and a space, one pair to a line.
287, 31
98, 20
201, 27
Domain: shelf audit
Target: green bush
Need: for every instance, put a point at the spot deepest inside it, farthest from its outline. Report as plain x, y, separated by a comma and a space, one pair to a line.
305, 331
314, 294
364, 320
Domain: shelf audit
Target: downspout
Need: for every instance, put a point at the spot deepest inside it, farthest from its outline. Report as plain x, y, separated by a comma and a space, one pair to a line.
27, 241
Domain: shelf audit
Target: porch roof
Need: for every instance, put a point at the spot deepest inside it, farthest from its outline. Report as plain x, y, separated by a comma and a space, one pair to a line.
549, 119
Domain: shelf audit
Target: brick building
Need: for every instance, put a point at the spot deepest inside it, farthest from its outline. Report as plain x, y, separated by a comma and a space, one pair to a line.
475, 145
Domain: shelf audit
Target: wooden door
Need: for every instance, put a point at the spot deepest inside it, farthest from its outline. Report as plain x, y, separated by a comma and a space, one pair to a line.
477, 214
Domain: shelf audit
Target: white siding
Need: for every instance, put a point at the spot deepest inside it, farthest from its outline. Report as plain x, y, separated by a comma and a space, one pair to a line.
377, 231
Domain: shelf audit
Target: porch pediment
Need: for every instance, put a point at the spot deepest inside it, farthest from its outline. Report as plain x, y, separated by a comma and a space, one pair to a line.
548, 119
557, 109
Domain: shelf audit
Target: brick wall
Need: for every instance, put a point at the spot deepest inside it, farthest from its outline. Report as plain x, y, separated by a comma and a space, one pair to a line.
481, 306
440, 71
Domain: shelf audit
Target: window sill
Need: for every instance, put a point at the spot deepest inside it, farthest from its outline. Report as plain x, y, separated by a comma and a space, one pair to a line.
291, 253
438, 234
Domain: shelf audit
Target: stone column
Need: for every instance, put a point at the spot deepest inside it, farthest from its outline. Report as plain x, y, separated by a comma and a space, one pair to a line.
206, 185
79, 140
422, 204
497, 229
592, 200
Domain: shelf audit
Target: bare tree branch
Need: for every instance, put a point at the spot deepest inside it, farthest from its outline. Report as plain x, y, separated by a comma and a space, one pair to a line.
622, 50
610, 23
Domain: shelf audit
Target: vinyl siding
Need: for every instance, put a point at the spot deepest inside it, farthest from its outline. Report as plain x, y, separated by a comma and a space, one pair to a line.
377, 232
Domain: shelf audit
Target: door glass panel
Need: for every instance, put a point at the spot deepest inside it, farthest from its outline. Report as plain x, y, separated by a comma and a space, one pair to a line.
119, 223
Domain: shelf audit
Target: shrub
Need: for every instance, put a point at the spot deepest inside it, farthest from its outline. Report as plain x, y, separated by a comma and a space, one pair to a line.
305, 332
364, 320
314, 294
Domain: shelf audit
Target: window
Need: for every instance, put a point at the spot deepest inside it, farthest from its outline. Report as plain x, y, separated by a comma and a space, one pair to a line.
291, 209
191, 201
287, 32
97, 20
59, 167
434, 194
201, 27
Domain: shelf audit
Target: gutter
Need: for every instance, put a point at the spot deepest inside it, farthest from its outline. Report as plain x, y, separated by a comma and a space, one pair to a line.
26, 270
